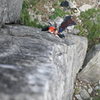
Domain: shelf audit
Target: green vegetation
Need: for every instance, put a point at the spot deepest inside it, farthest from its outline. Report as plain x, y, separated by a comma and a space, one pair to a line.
90, 26
33, 2
96, 98
25, 17
58, 12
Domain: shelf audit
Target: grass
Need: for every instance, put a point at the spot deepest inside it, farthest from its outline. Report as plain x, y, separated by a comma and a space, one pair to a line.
25, 17
91, 19
58, 12
34, 5
34, 2
96, 98
90, 26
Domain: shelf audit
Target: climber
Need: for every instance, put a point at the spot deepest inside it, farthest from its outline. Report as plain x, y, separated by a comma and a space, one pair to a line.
68, 21
52, 29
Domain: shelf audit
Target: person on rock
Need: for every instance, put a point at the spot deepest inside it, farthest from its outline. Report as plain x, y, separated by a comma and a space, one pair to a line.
53, 30
68, 21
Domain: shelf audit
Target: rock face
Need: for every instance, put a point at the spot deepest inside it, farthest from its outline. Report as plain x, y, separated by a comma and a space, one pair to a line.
10, 10
91, 72
35, 65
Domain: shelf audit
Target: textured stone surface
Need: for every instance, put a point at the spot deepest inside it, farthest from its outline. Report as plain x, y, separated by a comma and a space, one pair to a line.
10, 10
91, 72
86, 91
84, 94
36, 65
91, 2
78, 97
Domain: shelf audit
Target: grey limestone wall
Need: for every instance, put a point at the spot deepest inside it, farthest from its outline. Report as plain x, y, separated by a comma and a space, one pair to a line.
10, 11
36, 65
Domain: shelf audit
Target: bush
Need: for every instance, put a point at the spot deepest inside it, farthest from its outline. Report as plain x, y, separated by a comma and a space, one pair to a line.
25, 17
91, 25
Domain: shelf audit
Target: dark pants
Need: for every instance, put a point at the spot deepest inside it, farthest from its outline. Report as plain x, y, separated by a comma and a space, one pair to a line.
61, 35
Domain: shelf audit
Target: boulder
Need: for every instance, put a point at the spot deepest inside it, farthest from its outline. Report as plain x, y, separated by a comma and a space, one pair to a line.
58, 21
91, 71
10, 11
36, 65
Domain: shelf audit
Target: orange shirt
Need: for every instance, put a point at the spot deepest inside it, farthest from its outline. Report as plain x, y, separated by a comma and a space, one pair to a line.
51, 29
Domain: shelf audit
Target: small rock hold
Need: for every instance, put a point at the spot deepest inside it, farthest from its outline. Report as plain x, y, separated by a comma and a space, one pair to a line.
85, 7
91, 98
99, 82
90, 90
81, 82
78, 97
85, 87
97, 88
84, 94
52, 10
58, 21
96, 94
72, 4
